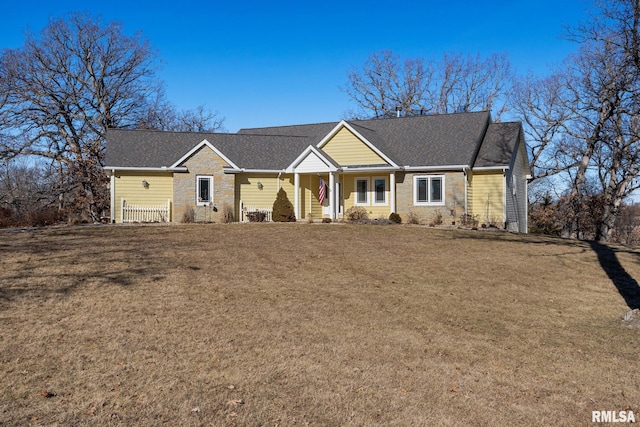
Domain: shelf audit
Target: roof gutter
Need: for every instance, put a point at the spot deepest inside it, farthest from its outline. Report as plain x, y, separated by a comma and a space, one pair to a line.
356, 169
160, 169
244, 170
436, 168
491, 168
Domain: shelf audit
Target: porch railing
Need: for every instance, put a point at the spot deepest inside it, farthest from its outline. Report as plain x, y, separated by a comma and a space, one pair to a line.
253, 214
145, 213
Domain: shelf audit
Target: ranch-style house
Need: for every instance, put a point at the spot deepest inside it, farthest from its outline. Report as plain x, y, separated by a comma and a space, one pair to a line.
427, 166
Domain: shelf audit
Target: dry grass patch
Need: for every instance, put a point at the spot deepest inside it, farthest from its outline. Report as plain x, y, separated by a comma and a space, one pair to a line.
297, 324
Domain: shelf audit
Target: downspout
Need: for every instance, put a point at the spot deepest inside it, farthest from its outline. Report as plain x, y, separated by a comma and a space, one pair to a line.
504, 198
466, 190
112, 195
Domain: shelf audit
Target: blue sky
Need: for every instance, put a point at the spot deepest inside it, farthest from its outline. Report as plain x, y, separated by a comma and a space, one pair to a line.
277, 63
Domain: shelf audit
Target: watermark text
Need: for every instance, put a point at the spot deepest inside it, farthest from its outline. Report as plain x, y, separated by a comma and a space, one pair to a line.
613, 417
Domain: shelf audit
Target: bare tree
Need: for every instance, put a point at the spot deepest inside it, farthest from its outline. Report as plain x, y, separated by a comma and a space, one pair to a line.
540, 105
584, 119
386, 85
162, 115
64, 88
604, 87
613, 43
471, 83
27, 193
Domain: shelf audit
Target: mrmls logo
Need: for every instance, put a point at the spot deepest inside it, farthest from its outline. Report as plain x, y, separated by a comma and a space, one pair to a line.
613, 417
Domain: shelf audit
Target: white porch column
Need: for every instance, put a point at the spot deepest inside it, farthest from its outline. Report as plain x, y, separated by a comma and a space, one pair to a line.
296, 195
332, 195
392, 191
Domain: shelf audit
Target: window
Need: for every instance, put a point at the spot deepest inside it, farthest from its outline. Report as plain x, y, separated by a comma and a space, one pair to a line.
380, 191
428, 190
362, 191
204, 190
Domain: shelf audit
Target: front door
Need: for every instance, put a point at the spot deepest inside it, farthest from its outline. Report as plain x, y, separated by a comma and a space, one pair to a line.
326, 205
326, 210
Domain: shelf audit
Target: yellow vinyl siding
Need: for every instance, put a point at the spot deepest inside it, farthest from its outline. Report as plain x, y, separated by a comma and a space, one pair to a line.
349, 191
309, 204
251, 195
346, 149
487, 196
311, 184
128, 186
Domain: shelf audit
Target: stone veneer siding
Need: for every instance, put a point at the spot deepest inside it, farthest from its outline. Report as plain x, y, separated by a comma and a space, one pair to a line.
203, 162
454, 198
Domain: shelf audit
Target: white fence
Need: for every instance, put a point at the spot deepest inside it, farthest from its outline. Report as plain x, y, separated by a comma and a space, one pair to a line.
252, 214
144, 213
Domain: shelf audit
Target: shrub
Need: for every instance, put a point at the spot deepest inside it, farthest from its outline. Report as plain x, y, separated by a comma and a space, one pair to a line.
5, 217
394, 217
227, 213
189, 215
44, 216
282, 208
326, 220
412, 218
437, 218
468, 220
545, 217
356, 213
256, 216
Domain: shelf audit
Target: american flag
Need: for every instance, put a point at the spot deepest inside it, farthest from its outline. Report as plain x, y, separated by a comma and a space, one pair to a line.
322, 191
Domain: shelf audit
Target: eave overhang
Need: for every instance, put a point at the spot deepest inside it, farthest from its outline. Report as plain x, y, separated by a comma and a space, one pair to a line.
490, 168
436, 168
146, 169
248, 170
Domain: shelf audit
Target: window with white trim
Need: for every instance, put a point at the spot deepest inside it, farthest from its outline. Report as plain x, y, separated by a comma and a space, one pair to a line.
428, 190
379, 191
362, 191
204, 190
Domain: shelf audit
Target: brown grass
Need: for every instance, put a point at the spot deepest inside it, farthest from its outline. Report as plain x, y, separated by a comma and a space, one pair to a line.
301, 324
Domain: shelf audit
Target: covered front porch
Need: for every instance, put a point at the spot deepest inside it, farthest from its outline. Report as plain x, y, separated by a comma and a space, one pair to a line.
325, 189
323, 194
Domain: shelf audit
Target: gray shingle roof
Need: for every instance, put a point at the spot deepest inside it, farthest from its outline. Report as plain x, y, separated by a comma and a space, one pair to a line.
499, 143
143, 148
431, 140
